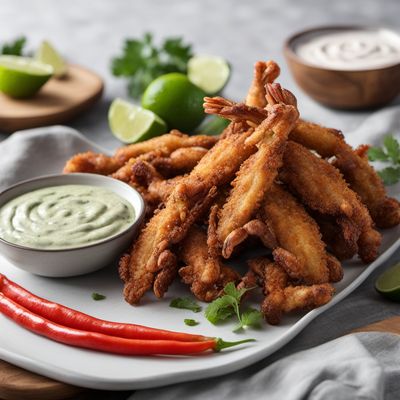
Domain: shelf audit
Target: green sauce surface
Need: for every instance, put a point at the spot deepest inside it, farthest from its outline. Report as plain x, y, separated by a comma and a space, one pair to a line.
62, 217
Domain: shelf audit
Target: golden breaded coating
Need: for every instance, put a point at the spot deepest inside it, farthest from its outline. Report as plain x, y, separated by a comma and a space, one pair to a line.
194, 253
188, 200
321, 187
281, 297
341, 242
151, 252
297, 233
92, 163
264, 72
167, 143
257, 173
180, 161
355, 168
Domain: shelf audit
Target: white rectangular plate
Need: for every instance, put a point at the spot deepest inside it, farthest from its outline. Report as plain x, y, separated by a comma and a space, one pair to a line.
104, 371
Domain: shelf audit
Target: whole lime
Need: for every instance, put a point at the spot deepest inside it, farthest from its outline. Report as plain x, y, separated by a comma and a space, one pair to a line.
176, 100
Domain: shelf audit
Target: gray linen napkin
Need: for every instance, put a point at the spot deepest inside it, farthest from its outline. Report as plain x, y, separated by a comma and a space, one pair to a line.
352, 367
41, 151
362, 366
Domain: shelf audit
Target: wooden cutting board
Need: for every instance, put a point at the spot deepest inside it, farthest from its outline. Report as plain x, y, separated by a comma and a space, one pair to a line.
57, 102
18, 384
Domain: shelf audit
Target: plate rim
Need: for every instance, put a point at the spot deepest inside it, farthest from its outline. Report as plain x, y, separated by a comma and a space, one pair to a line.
197, 373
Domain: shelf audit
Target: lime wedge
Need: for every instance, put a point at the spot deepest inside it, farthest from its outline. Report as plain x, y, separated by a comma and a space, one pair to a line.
213, 126
131, 124
47, 54
388, 284
22, 76
209, 73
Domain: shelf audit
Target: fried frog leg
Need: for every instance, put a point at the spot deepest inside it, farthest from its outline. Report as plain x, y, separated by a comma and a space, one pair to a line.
321, 187
92, 163
194, 252
258, 172
354, 166
301, 251
168, 143
281, 297
189, 199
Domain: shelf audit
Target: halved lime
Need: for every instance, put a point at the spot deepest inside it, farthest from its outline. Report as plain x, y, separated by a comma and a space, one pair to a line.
388, 284
131, 124
210, 73
47, 54
22, 76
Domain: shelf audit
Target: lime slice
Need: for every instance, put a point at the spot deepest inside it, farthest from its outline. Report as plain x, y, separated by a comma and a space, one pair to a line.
47, 54
131, 124
209, 73
22, 76
388, 284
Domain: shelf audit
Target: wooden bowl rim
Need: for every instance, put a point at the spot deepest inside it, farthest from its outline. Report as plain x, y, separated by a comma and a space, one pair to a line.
291, 54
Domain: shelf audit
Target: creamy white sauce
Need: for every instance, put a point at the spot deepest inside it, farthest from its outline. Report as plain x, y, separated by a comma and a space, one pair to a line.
65, 216
350, 50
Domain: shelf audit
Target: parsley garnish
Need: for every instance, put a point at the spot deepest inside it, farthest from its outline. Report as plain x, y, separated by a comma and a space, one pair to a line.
185, 303
389, 153
142, 61
190, 322
228, 306
14, 48
98, 296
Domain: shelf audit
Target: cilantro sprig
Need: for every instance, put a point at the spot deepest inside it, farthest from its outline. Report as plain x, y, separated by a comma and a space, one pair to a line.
142, 61
14, 48
228, 306
388, 153
185, 303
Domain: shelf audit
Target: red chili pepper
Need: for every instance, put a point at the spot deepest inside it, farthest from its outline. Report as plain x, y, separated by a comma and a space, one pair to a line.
101, 342
75, 319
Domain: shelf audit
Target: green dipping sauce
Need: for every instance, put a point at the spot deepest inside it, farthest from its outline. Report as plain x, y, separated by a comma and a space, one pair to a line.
62, 217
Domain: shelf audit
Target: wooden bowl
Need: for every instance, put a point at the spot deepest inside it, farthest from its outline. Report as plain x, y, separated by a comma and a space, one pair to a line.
348, 90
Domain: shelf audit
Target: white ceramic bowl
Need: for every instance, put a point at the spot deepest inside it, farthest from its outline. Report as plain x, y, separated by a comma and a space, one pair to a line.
79, 260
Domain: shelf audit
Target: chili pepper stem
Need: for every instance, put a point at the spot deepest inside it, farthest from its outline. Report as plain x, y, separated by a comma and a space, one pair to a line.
221, 344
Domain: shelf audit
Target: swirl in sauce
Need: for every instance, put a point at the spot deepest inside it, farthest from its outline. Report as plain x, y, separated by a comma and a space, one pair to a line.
350, 50
65, 216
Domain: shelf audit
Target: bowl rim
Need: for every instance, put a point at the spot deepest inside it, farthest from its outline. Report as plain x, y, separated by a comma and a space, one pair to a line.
139, 216
290, 53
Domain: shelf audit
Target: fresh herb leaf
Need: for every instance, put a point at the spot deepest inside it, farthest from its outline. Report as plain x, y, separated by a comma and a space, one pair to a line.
98, 296
250, 318
377, 154
185, 303
190, 322
390, 175
221, 309
392, 148
142, 61
389, 153
231, 290
15, 47
228, 306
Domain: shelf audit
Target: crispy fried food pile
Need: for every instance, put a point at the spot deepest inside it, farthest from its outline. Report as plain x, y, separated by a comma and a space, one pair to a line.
294, 187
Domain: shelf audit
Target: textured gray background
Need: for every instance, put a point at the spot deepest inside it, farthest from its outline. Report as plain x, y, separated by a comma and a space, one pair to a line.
91, 32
